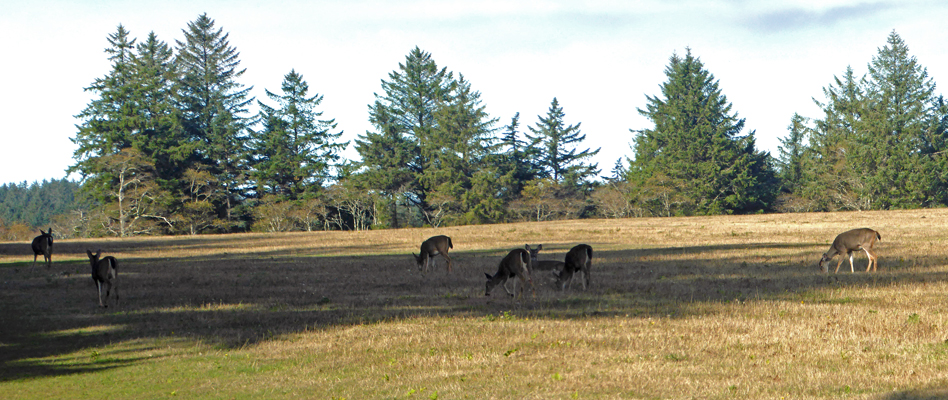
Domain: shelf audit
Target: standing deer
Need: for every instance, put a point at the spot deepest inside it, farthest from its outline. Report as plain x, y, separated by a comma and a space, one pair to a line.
545, 265
578, 259
43, 244
104, 273
848, 242
515, 264
433, 246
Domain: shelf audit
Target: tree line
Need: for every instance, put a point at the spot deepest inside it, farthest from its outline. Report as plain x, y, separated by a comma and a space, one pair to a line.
168, 146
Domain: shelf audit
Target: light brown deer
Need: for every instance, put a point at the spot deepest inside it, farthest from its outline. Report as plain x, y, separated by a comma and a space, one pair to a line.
105, 274
848, 242
433, 246
515, 264
43, 244
545, 265
578, 259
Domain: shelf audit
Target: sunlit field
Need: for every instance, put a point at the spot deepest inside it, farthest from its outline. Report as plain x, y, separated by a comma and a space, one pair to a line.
725, 307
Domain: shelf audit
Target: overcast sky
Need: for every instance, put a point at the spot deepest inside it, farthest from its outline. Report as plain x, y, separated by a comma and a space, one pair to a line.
598, 58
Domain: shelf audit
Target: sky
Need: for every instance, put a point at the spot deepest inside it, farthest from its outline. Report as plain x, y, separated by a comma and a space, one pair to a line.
600, 59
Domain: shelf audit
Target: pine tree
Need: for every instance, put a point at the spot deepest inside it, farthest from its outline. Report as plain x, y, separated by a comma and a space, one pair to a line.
458, 150
792, 149
404, 119
213, 106
880, 137
295, 150
553, 146
108, 121
517, 163
899, 121
695, 159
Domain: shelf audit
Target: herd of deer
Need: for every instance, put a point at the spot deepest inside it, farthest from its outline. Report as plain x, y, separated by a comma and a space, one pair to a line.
518, 263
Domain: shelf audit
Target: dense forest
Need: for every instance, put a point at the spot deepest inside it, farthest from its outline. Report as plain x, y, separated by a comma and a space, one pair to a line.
168, 146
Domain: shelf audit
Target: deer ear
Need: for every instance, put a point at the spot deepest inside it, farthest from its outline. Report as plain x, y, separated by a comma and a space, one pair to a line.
89, 252
488, 276
556, 273
539, 247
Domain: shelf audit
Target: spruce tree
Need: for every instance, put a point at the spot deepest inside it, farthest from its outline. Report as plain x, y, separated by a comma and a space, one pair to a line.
459, 151
404, 119
695, 159
296, 150
213, 106
880, 137
553, 144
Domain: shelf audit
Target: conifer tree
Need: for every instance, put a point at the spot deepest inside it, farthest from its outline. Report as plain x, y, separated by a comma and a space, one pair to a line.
880, 137
213, 106
695, 160
296, 150
553, 144
792, 149
404, 121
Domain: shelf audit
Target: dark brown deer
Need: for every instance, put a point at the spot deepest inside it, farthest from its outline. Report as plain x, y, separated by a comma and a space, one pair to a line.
43, 244
515, 264
433, 246
848, 242
578, 259
104, 273
545, 265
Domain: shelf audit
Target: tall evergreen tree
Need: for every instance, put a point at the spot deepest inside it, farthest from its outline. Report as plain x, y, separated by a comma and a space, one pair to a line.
553, 146
404, 119
792, 153
296, 150
517, 163
880, 137
457, 153
213, 106
108, 121
695, 159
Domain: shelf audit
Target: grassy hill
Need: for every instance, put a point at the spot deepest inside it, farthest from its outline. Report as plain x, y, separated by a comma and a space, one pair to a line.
702, 307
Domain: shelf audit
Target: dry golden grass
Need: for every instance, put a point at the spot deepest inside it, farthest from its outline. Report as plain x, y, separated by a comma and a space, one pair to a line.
703, 307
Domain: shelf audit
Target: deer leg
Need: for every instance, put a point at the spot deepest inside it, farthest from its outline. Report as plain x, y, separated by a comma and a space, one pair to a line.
98, 286
873, 262
445, 254
852, 269
506, 289
838, 264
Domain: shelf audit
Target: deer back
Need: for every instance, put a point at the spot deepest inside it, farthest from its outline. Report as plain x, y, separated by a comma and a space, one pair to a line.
43, 243
578, 257
855, 239
436, 245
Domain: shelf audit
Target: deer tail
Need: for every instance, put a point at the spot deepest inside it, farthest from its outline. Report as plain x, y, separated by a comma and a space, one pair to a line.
878, 236
450, 245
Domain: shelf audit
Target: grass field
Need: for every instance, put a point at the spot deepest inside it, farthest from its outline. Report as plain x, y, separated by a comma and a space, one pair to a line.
725, 307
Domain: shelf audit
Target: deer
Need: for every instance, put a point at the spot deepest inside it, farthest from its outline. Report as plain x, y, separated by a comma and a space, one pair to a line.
43, 244
515, 264
545, 265
104, 274
848, 242
433, 246
578, 259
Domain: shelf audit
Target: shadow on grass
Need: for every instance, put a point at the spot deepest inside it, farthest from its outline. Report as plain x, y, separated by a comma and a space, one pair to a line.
235, 301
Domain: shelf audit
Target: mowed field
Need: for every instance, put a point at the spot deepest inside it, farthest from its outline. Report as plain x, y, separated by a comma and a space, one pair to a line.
724, 307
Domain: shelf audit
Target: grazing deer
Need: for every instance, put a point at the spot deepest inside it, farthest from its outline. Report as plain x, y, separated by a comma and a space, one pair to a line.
43, 244
848, 242
433, 246
515, 264
545, 265
578, 259
104, 273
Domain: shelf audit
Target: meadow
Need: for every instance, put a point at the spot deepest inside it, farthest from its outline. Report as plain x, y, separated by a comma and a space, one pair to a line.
722, 307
